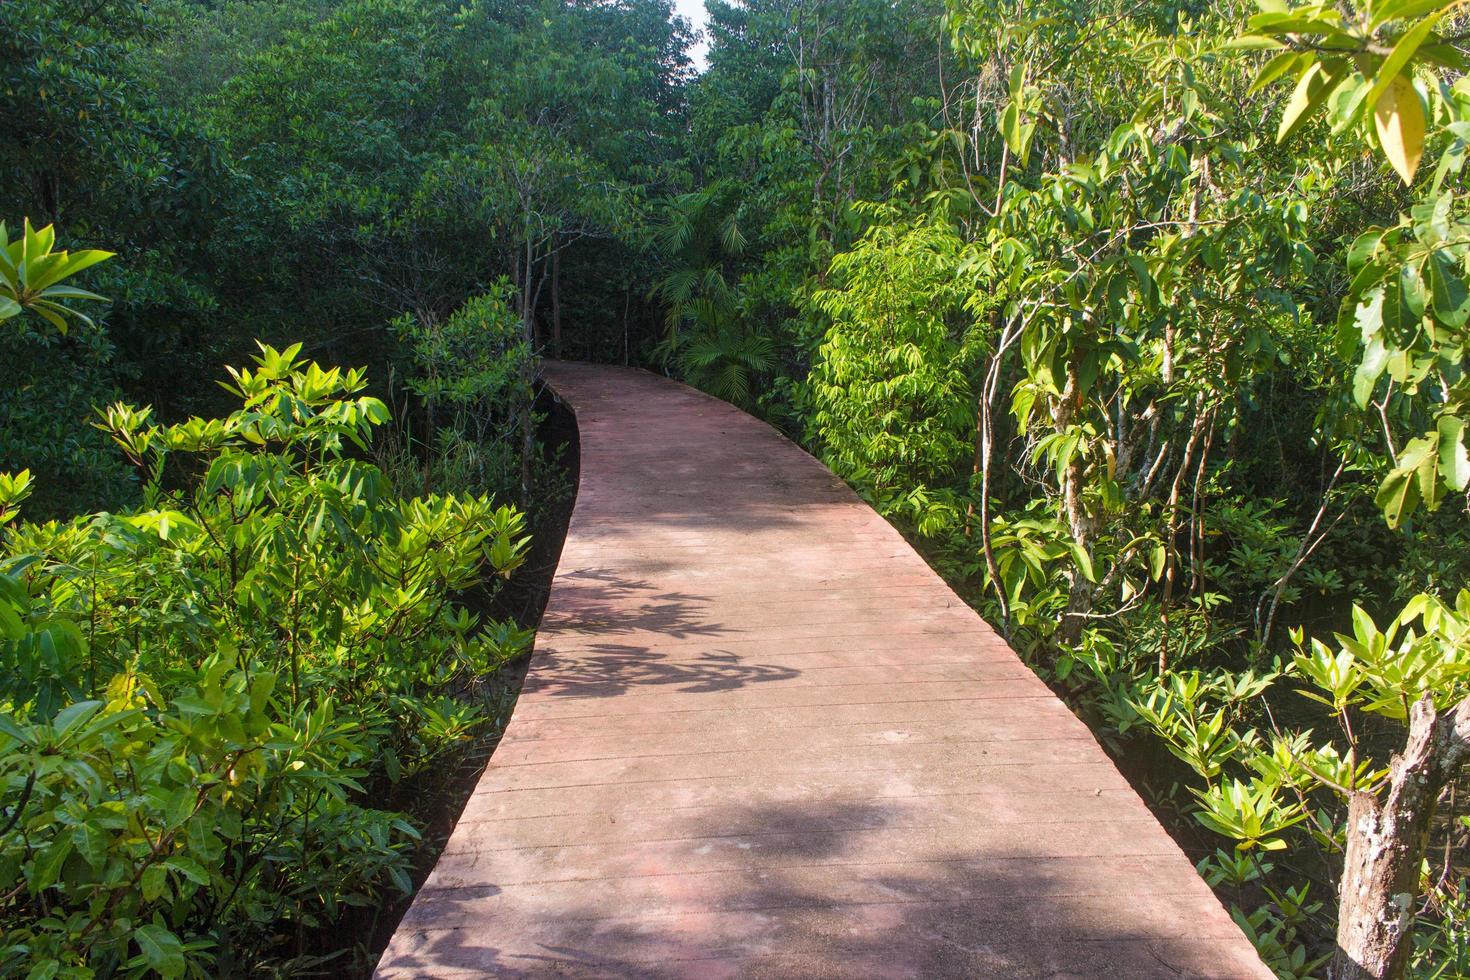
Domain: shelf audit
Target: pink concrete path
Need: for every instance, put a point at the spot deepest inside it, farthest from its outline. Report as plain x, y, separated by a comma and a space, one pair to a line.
761, 738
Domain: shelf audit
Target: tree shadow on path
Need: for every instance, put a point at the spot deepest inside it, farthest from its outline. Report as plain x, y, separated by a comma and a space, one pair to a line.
570, 663
808, 896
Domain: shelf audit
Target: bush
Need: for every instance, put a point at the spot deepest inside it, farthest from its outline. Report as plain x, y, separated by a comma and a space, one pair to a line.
204, 702
472, 376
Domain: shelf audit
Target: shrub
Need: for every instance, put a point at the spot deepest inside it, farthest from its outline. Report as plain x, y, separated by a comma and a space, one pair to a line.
472, 375
202, 703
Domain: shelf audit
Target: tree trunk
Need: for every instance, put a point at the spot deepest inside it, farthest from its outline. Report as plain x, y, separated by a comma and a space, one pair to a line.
1079, 521
984, 442
1203, 421
556, 304
1386, 842
528, 379
627, 299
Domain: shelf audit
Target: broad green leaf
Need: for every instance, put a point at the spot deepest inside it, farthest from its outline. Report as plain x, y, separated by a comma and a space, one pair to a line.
1311, 89
1363, 248
1399, 322
1454, 460
73, 715
1414, 479
1253, 42
161, 950
1447, 289
154, 883
1402, 10
189, 868
1279, 66
1411, 290
68, 265
1083, 561
1397, 497
1391, 72
1370, 369
47, 868
11, 627
1432, 218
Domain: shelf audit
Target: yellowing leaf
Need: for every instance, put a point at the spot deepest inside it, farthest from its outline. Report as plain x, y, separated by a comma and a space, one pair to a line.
1399, 118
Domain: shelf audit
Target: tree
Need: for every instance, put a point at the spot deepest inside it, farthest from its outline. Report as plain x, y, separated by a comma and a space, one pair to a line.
1405, 314
890, 398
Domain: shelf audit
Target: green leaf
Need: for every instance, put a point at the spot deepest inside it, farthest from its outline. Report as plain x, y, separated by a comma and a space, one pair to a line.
1414, 479
1253, 42
91, 843
1401, 10
1370, 369
161, 950
1083, 561
1432, 218
1399, 321
73, 715
1388, 74
47, 868
1448, 292
1311, 89
189, 868
1421, 456
1282, 64
11, 626
1397, 497
1411, 290
70, 292
1364, 247
1454, 460
68, 265
154, 882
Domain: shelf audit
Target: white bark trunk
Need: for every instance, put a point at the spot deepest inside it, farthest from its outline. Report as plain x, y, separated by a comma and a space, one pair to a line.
1386, 841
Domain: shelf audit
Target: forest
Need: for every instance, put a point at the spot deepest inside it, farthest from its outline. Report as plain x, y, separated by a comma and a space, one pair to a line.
1145, 322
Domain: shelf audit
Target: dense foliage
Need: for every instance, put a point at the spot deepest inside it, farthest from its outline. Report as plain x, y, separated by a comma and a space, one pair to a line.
204, 703
1146, 322
310, 170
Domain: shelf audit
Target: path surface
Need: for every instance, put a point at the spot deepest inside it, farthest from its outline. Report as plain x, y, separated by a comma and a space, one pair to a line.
761, 738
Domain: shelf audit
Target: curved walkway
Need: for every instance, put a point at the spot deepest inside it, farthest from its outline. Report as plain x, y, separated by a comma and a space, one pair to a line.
761, 738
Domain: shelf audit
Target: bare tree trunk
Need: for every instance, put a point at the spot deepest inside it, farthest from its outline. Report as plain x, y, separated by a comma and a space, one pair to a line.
1203, 421
1309, 544
984, 443
528, 380
1386, 842
627, 299
1079, 522
556, 303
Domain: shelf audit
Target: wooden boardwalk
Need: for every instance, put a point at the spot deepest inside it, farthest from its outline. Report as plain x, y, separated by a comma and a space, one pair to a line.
761, 738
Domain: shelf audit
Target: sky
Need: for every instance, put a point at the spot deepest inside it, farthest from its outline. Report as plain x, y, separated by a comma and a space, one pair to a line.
694, 11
